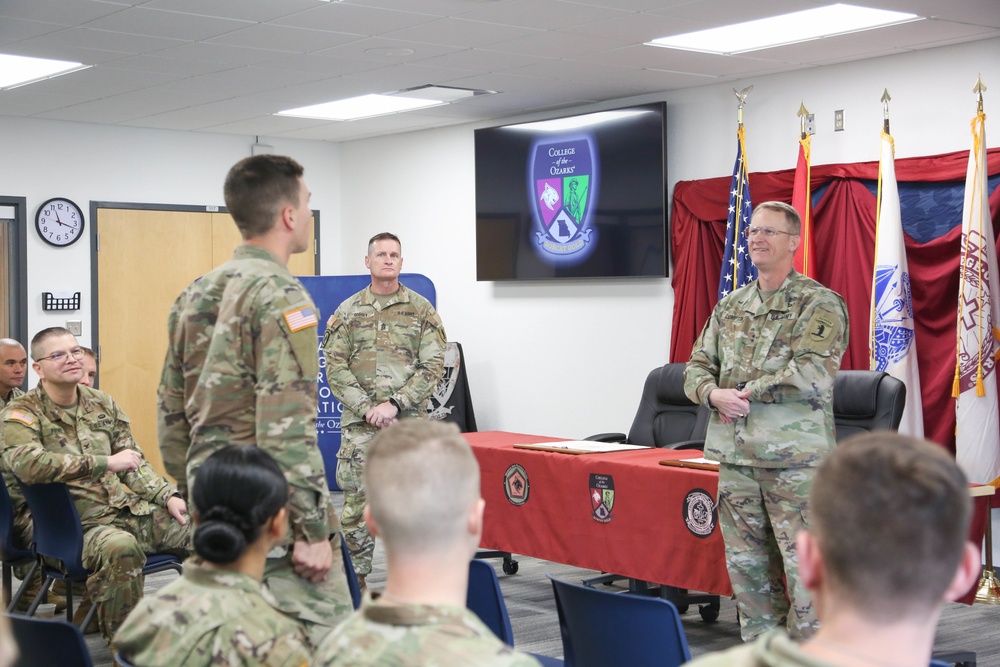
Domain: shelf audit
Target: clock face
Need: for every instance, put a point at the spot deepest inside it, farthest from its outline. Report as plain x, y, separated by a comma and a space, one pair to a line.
59, 222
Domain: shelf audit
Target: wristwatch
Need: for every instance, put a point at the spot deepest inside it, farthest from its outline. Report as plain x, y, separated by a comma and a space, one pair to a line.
395, 404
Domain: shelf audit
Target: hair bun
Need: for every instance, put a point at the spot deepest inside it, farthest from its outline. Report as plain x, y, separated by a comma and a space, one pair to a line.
222, 535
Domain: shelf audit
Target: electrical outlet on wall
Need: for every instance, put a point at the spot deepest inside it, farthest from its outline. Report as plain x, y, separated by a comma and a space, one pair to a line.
75, 327
838, 120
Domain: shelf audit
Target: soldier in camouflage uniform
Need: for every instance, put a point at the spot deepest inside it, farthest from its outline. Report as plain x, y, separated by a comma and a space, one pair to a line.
13, 366
384, 350
62, 432
424, 501
217, 613
889, 545
242, 368
765, 364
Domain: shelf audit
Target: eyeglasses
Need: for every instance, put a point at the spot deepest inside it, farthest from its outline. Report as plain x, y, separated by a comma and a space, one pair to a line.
768, 232
63, 357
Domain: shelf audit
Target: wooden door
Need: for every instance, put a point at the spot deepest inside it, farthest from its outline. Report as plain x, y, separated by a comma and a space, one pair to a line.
146, 259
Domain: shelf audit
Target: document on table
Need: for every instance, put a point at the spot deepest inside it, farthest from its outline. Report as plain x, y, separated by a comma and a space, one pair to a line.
581, 447
696, 462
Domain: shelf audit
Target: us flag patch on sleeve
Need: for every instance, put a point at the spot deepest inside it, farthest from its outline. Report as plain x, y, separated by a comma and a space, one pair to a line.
23, 417
301, 318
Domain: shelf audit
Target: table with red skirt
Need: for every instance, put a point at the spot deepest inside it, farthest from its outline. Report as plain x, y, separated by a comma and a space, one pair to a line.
619, 512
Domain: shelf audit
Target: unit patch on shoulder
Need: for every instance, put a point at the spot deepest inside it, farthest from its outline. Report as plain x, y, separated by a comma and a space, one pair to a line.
301, 318
23, 417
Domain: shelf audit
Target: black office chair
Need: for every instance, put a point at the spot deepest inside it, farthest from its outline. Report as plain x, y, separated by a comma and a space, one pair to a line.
12, 555
866, 401
43, 641
666, 417
58, 537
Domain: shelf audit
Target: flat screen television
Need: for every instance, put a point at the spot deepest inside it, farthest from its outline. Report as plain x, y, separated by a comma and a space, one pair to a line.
574, 197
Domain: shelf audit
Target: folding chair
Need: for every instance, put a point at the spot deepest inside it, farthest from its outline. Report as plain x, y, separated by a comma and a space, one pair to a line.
11, 554
352, 576
44, 641
58, 535
600, 628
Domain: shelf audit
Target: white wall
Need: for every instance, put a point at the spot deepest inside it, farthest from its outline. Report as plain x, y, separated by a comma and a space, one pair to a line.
562, 358
569, 358
84, 162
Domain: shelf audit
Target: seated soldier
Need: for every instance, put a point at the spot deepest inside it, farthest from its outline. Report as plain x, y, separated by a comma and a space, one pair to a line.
218, 613
887, 547
62, 432
422, 482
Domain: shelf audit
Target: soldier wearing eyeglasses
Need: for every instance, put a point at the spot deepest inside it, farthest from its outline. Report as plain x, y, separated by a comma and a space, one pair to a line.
764, 364
61, 431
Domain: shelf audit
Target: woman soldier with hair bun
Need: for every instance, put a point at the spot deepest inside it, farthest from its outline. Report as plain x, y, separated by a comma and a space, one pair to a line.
217, 613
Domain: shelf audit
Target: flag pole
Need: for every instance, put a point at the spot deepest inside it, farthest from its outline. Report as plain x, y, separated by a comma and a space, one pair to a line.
988, 591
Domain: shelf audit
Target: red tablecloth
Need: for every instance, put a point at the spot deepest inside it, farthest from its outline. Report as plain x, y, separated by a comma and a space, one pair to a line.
661, 526
656, 529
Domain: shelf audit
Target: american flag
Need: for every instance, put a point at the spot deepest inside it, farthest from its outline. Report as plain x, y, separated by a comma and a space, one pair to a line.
300, 318
737, 269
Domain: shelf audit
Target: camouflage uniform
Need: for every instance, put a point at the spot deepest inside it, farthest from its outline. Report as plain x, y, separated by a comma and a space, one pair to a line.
385, 634
376, 349
787, 350
22, 519
242, 368
122, 514
773, 649
211, 617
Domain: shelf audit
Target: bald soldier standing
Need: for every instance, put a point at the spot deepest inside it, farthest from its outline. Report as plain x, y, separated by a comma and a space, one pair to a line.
765, 364
241, 368
384, 350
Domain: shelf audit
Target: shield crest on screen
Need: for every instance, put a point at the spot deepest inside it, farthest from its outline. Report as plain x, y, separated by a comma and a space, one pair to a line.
563, 186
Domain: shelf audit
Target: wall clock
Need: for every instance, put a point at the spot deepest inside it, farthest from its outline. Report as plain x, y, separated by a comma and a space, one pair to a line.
59, 222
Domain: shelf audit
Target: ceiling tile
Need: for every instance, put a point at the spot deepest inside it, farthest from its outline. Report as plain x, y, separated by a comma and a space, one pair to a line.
367, 49
173, 25
256, 11
550, 44
344, 17
283, 38
61, 13
459, 32
543, 16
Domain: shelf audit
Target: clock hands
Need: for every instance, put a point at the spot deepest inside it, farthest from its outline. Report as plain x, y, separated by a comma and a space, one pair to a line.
63, 223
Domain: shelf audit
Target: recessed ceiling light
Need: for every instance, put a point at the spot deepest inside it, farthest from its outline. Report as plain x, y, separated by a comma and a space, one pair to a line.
810, 24
364, 106
367, 106
21, 70
575, 122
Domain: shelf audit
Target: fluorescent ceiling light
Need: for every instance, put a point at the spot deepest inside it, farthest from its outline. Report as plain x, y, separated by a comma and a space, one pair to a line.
21, 70
791, 28
364, 106
575, 122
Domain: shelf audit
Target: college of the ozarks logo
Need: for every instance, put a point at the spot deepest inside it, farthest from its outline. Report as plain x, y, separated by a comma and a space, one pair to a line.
602, 496
700, 513
563, 186
515, 484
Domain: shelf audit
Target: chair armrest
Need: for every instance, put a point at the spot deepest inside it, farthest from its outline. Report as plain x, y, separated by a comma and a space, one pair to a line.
687, 444
607, 437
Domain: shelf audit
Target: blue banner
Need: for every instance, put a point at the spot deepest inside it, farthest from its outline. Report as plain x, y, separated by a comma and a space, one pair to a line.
328, 292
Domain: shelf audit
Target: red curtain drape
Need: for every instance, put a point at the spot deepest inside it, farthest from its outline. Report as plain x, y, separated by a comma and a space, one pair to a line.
844, 232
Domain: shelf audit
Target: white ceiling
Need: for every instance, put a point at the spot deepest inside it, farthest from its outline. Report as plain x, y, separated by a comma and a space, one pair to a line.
228, 65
